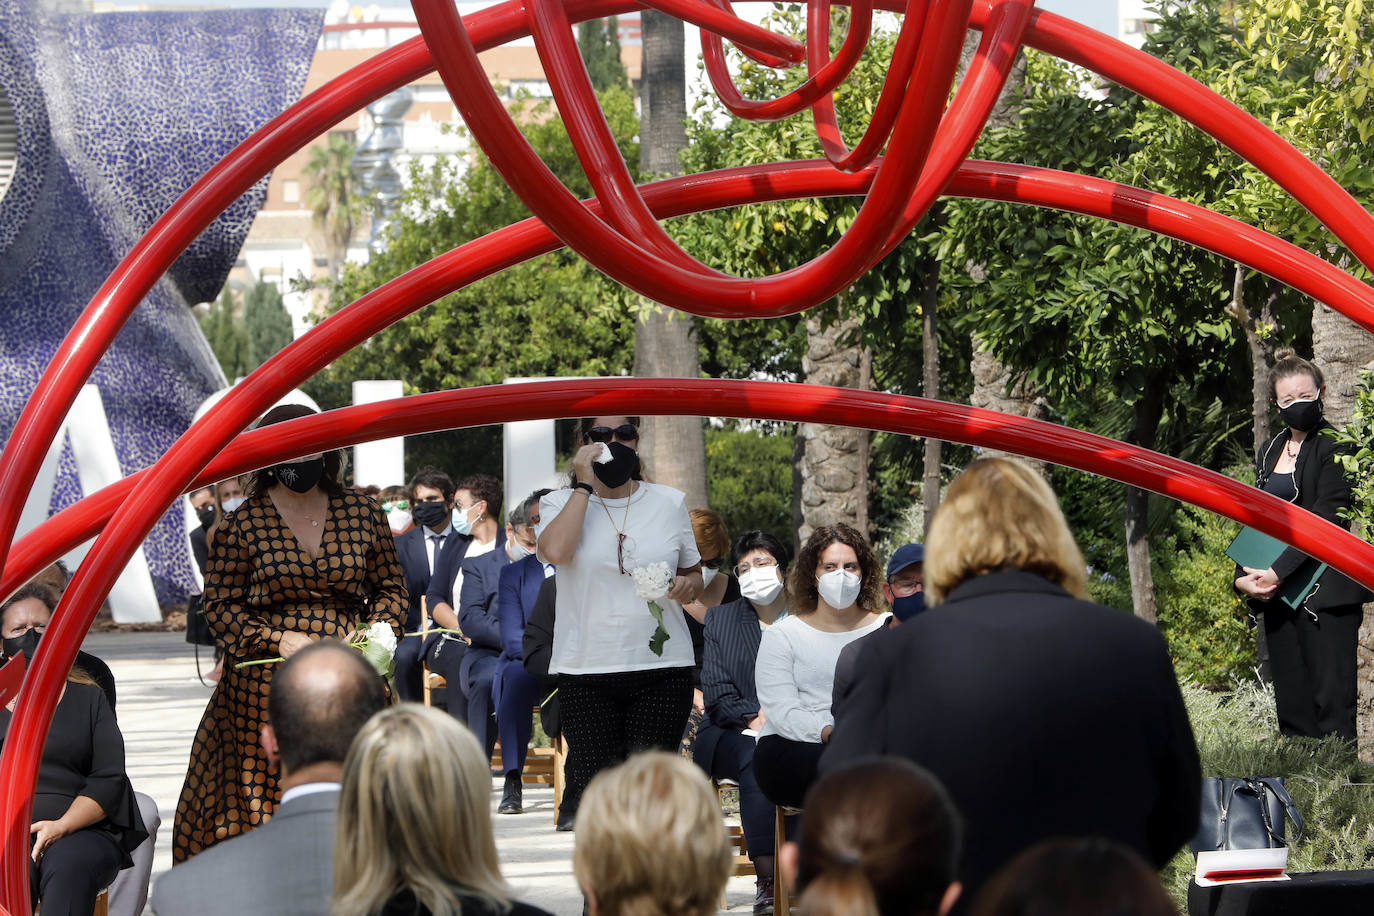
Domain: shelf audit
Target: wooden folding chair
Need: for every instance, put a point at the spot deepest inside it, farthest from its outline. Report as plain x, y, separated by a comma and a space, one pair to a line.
428, 679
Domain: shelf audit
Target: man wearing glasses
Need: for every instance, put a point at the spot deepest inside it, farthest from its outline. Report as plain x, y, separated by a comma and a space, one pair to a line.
905, 594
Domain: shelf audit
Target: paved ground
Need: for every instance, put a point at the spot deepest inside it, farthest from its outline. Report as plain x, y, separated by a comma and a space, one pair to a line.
160, 704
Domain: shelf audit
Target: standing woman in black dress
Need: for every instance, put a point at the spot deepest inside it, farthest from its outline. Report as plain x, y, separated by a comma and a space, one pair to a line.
1312, 648
85, 819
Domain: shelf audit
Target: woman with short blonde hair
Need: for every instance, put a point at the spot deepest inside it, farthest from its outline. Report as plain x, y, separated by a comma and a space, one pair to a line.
997, 514
414, 834
651, 840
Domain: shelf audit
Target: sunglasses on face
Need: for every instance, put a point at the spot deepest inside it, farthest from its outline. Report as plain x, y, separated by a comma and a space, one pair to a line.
395, 504
626, 432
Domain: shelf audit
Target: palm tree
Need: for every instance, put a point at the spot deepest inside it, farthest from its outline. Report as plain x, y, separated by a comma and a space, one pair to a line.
331, 196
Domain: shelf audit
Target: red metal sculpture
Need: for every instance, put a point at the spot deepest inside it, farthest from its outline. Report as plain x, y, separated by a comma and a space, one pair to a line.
619, 233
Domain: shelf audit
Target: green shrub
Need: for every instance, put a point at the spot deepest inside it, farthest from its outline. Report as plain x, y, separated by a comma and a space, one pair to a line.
749, 478
1237, 735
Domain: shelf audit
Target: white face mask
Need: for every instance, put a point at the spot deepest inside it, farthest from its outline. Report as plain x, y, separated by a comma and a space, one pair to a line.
761, 584
840, 588
707, 574
515, 550
399, 520
232, 503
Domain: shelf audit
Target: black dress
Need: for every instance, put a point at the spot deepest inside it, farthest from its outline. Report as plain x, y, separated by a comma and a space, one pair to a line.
83, 756
1311, 649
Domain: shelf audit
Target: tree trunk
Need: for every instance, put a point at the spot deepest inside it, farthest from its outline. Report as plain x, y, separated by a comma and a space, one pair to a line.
994, 389
834, 465
930, 387
1342, 349
1259, 331
674, 448
1148, 412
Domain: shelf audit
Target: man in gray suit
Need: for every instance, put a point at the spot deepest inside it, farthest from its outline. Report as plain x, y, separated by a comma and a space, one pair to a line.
320, 698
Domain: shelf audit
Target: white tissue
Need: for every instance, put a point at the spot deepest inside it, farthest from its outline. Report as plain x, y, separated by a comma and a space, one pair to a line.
605, 455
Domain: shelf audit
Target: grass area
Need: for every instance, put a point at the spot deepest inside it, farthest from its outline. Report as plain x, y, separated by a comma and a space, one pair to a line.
1237, 735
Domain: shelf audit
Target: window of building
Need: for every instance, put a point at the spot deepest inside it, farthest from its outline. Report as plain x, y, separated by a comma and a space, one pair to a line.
291, 191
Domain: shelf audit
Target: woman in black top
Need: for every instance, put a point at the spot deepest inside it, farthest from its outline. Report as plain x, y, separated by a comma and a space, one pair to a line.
1311, 649
722, 749
85, 819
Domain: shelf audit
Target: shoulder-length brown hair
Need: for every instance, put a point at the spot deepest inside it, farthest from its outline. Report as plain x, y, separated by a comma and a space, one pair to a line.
997, 514
48, 596
261, 480
801, 581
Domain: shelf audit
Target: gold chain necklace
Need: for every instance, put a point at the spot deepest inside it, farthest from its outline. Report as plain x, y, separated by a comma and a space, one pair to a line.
619, 532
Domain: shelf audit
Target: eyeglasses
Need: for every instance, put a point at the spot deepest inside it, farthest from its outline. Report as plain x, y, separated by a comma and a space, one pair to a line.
903, 587
625, 432
760, 563
401, 504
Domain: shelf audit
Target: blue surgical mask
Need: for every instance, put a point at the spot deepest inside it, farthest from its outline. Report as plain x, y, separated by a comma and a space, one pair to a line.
461, 523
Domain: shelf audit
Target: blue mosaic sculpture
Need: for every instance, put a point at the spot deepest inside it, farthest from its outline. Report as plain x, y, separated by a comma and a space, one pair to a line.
117, 114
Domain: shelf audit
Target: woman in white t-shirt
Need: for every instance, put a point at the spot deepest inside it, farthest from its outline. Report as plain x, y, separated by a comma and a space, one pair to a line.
834, 599
624, 680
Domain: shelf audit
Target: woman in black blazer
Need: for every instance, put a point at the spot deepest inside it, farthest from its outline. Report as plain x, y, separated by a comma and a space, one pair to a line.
1311, 649
725, 742
1042, 713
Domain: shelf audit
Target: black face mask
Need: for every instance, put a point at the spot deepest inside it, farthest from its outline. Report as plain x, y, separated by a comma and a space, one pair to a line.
623, 465
300, 476
429, 514
1304, 416
24, 644
206, 514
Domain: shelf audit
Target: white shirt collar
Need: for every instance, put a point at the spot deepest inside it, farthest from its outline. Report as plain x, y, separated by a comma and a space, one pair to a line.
309, 788
431, 534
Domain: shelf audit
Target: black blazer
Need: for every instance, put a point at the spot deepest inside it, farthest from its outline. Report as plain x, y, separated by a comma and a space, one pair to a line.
732, 639
1323, 489
447, 565
537, 647
1043, 715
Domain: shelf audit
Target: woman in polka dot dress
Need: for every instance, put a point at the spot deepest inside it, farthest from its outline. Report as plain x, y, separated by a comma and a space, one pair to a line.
302, 559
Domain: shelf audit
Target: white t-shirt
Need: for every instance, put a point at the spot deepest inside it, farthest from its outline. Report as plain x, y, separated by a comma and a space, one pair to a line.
601, 625
795, 676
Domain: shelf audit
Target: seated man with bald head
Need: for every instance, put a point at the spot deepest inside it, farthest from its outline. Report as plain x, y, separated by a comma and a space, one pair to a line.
320, 698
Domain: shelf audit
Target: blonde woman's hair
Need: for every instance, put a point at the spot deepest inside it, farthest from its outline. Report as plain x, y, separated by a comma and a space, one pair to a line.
414, 813
999, 513
651, 840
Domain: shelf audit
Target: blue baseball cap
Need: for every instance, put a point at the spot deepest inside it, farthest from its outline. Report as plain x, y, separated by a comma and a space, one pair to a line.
905, 556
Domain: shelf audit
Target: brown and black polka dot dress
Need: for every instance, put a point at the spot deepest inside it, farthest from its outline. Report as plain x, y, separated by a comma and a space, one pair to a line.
260, 584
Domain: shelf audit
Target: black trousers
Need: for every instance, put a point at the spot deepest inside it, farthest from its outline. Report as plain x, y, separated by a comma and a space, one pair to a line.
73, 871
733, 758
1314, 669
607, 717
408, 671
446, 658
785, 769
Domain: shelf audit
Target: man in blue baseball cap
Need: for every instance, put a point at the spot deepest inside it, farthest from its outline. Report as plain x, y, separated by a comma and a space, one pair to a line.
903, 590
903, 586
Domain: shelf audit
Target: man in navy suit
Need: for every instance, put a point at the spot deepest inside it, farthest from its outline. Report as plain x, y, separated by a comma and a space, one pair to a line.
431, 498
477, 536
515, 691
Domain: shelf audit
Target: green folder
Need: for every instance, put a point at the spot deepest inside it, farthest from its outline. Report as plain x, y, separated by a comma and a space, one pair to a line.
1258, 550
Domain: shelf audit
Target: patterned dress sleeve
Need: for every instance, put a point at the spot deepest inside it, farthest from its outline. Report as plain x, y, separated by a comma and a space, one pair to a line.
386, 584
234, 623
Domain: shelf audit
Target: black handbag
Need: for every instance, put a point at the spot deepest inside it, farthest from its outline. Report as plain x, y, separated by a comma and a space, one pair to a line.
1245, 813
197, 628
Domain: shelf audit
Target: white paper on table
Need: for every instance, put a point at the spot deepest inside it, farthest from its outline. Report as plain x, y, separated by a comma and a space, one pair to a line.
1230, 866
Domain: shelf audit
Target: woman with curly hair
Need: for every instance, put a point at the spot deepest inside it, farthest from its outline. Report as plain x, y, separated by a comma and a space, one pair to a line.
835, 594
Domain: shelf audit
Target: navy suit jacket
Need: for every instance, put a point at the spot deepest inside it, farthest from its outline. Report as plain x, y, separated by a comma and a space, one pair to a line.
515, 595
448, 564
727, 671
477, 602
414, 556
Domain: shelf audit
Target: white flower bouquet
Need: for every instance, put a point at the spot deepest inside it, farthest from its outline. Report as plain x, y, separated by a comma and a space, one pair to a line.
652, 583
377, 643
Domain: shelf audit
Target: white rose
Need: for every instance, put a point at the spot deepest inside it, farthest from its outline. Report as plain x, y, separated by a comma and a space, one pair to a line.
652, 581
382, 634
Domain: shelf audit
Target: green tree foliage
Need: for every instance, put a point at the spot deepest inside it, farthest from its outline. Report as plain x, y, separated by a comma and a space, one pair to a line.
749, 479
266, 321
552, 316
331, 196
227, 337
599, 42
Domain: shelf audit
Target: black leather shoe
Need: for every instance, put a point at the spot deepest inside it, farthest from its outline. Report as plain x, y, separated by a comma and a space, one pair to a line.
511, 800
565, 823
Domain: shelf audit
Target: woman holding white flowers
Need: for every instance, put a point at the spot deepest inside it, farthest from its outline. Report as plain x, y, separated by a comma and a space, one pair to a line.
835, 598
301, 559
624, 662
